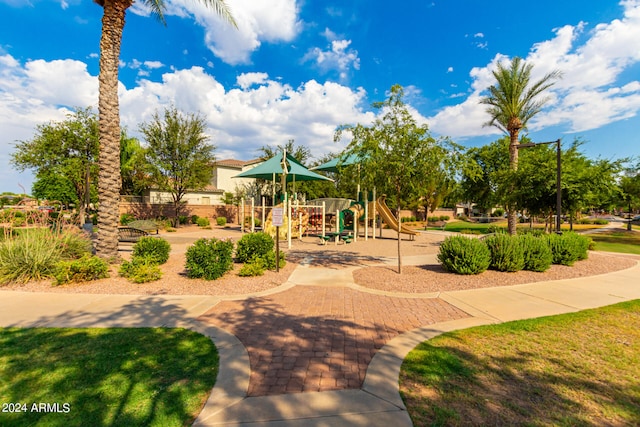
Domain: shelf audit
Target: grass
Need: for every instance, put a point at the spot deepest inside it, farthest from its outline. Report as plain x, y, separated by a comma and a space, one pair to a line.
107, 377
572, 369
617, 241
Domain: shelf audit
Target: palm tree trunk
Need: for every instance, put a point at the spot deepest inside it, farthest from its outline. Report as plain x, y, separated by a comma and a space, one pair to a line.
109, 180
512, 220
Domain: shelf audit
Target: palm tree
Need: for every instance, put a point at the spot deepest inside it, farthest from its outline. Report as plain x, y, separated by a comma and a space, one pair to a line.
109, 180
512, 102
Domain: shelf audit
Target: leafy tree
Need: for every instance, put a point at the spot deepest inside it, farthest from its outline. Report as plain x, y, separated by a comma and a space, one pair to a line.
630, 189
134, 178
109, 111
483, 174
64, 157
398, 154
178, 157
512, 102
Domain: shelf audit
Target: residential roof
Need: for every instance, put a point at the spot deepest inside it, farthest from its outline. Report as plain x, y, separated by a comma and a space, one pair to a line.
238, 164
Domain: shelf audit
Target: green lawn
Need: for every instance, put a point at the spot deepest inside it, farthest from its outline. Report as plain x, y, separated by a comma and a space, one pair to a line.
104, 377
617, 241
573, 369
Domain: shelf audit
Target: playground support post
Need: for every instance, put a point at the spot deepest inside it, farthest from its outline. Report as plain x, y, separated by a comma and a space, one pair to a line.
324, 210
263, 212
287, 204
253, 219
242, 216
374, 213
366, 219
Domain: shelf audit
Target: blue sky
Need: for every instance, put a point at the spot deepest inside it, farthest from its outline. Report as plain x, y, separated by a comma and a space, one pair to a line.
297, 69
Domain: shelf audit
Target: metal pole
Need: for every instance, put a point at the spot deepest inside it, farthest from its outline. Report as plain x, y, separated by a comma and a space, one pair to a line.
558, 186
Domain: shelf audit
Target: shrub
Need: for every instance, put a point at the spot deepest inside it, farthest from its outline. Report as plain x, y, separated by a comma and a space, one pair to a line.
194, 219
444, 217
254, 245
203, 222
153, 248
270, 260
84, 269
463, 255
579, 242
255, 267
209, 258
140, 270
126, 218
183, 219
34, 253
506, 252
585, 221
536, 251
567, 248
29, 256
600, 221
221, 221
73, 243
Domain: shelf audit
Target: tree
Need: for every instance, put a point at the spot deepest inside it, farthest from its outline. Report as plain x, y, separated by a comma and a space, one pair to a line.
64, 156
397, 153
178, 158
630, 189
483, 174
512, 102
109, 113
134, 178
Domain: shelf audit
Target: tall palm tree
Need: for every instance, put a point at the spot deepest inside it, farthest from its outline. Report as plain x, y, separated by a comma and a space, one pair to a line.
512, 102
109, 180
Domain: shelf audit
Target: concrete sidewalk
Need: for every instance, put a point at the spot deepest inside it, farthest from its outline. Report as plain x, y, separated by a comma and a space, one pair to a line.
377, 403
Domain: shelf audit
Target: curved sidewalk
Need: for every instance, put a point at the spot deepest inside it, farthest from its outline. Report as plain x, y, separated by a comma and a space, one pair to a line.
376, 403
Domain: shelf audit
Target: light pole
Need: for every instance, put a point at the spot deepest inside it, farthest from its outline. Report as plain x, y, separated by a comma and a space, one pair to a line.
558, 176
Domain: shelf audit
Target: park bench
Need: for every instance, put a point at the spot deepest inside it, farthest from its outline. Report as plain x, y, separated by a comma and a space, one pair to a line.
130, 234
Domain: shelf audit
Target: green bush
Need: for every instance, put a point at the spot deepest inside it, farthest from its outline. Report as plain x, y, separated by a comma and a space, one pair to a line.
506, 252
255, 267
34, 253
254, 245
567, 248
154, 248
600, 221
183, 219
585, 221
463, 255
444, 217
126, 218
209, 259
73, 243
29, 256
203, 222
140, 270
270, 260
579, 242
84, 269
537, 254
221, 221
194, 219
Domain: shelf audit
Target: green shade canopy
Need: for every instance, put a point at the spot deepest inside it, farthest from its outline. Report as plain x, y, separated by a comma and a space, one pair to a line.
335, 164
272, 168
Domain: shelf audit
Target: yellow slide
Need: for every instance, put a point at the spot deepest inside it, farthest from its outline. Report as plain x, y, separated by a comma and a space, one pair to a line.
388, 217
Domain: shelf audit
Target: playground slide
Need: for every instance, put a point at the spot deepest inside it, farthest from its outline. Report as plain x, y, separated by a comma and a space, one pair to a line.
388, 218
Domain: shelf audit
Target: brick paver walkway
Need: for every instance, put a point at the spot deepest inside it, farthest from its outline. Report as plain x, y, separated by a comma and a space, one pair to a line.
315, 338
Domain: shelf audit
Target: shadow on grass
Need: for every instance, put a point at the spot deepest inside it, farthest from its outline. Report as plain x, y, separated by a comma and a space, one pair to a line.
558, 381
109, 371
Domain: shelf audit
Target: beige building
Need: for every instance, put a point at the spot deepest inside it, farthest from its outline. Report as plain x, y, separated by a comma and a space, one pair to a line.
222, 182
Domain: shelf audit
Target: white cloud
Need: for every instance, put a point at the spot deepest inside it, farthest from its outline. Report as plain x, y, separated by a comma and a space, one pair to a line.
450, 70
338, 58
592, 93
258, 21
261, 111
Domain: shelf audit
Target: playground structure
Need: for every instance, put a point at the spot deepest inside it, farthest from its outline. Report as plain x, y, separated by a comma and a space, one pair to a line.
328, 219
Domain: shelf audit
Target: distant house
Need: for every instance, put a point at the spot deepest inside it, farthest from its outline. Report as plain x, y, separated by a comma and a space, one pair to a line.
222, 182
